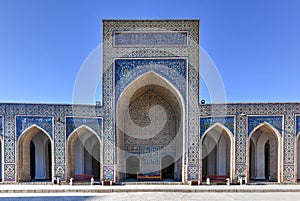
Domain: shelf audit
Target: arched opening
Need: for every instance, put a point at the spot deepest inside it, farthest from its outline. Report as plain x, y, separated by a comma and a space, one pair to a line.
217, 144
264, 154
150, 122
83, 153
168, 167
35, 155
132, 167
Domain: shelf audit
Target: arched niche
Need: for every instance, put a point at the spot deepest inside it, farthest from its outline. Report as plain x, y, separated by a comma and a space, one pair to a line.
83, 153
150, 114
264, 150
35, 155
217, 152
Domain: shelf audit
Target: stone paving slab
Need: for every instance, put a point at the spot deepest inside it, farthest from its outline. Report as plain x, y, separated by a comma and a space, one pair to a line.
146, 188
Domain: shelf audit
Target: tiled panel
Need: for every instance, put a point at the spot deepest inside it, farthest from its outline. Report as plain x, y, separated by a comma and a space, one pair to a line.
127, 70
24, 122
254, 121
108, 172
1, 127
150, 39
207, 122
297, 124
96, 124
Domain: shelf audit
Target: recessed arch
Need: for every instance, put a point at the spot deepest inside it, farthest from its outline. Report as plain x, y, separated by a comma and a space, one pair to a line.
83, 153
264, 153
35, 155
132, 167
168, 99
168, 167
217, 151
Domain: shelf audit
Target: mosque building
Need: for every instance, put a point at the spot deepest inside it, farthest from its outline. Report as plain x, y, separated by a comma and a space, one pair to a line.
150, 124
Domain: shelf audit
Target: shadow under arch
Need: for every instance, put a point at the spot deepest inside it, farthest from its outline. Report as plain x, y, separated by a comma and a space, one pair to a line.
264, 153
83, 153
35, 155
217, 152
132, 167
168, 167
127, 125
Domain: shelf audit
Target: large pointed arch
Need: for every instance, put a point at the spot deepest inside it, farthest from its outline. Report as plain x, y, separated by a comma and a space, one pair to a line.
267, 132
42, 157
225, 132
170, 94
84, 149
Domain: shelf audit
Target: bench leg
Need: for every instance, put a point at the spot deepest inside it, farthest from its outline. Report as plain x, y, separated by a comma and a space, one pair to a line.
207, 181
92, 181
227, 181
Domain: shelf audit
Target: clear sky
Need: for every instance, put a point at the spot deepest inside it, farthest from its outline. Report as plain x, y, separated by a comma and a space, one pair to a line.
255, 44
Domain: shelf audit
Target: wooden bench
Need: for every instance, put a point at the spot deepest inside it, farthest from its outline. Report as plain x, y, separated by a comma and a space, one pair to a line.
149, 176
83, 177
217, 179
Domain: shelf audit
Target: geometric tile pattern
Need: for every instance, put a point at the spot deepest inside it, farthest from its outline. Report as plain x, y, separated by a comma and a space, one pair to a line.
9, 172
108, 172
240, 146
193, 173
23, 122
207, 122
150, 39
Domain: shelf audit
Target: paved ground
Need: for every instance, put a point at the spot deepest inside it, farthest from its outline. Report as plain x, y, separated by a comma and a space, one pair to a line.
23, 192
155, 196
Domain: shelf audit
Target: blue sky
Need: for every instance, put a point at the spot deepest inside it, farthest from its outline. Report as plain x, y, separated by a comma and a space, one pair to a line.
255, 44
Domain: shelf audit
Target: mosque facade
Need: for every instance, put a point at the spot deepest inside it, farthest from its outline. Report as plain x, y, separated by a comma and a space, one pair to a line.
150, 123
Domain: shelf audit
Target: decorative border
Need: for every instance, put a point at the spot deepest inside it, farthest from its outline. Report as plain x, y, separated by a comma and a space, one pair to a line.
100, 135
216, 119
118, 91
150, 45
250, 128
20, 132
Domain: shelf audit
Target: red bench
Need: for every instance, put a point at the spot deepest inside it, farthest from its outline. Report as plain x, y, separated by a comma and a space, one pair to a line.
217, 179
83, 177
149, 176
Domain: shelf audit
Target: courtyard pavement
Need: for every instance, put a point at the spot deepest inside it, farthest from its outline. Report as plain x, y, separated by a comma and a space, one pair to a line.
22, 192
22, 188
282, 196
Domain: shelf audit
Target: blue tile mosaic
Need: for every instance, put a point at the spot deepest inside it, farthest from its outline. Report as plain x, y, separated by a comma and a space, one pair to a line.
108, 172
207, 122
1, 126
24, 122
254, 121
127, 70
150, 39
93, 123
297, 124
